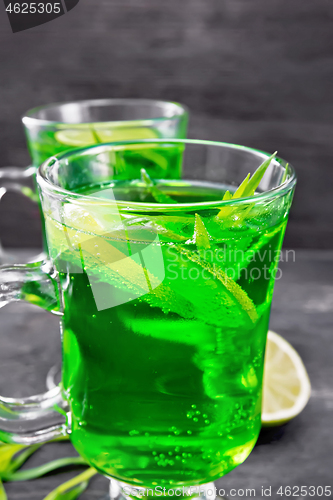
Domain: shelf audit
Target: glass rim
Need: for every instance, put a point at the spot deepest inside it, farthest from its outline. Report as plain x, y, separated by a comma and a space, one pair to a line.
45, 183
29, 119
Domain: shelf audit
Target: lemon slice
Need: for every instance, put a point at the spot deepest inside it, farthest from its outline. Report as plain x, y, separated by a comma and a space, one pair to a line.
287, 388
96, 134
75, 138
125, 134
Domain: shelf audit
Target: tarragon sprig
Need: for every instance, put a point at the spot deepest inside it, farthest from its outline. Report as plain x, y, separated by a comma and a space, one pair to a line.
202, 238
235, 291
13, 457
157, 194
246, 189
41, 470
72, 489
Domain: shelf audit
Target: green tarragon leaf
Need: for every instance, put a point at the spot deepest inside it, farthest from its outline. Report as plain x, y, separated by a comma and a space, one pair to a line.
72, 489
227, 196
159, 196
13, 456
7, 452
21, 458
29, 193
232, 287
234, 290
41, 470
201, 235
240, 190
3, 495
75, 492
254, 181
247, 188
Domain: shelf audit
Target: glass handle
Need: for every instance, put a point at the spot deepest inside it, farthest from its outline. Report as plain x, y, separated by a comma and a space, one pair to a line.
37, 418
18, 180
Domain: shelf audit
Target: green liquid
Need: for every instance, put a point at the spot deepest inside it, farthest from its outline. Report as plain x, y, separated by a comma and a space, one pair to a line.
159, 162
165, 389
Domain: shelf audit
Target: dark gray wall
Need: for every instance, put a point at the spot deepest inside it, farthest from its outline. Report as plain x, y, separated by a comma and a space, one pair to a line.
256, 72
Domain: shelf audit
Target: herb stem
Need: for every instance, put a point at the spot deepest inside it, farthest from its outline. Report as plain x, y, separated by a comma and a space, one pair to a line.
81, 478
22, 458
41, 470
3, 495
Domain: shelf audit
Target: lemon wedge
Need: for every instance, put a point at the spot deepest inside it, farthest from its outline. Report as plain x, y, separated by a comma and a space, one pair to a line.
286, 388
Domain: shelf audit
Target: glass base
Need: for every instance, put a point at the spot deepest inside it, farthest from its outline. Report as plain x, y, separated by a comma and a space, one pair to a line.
123, 491
17, 256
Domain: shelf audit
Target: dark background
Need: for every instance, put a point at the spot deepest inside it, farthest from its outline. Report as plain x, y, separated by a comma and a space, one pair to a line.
255, 72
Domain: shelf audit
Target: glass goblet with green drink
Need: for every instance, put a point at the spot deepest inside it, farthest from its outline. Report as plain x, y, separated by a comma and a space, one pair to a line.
164, 288
55, 128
